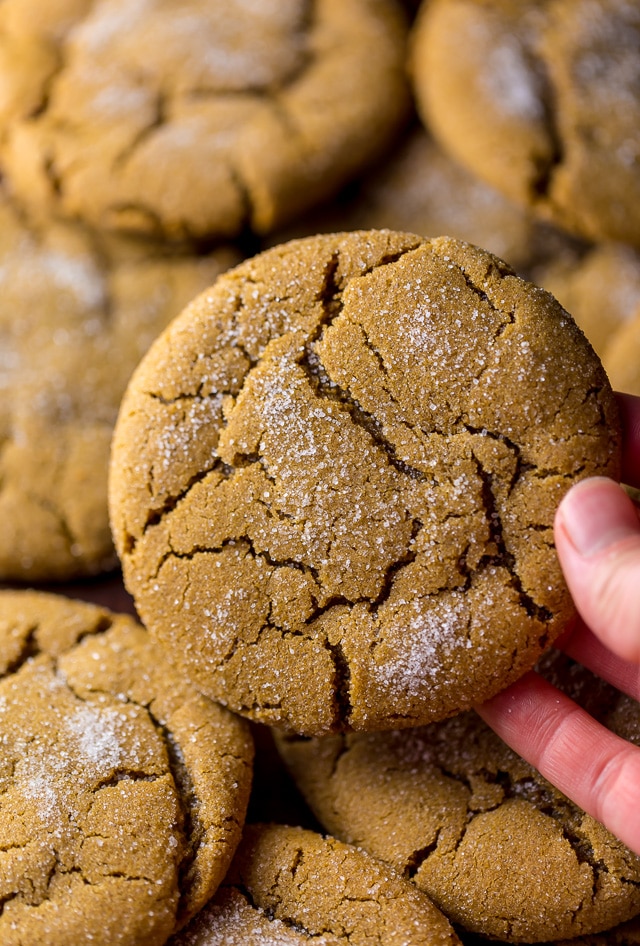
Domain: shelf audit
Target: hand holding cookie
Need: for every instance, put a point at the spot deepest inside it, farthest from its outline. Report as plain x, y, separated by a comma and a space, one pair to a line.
597, 534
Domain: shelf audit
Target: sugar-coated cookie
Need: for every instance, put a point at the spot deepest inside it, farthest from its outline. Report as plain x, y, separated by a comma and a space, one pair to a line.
193, 118
334, 477
122, 790
289, 887
499, 850
542, 100
77, 315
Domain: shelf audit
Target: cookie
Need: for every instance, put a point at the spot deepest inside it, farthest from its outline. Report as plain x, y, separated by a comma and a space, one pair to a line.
195, 119
77, 316
499, 849
289, 886
122, 790
334, 476
543, 105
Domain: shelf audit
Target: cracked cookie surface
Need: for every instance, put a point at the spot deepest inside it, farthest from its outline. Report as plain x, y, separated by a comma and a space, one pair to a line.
122, 790
78, 313
544, 104
289, 886
333, 479
197, 118
501, 851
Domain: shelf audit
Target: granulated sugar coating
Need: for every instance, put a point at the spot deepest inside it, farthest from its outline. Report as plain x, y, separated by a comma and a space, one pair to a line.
358, 534
123, 791
291, 887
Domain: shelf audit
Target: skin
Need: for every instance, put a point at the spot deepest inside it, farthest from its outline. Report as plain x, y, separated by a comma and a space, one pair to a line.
597, 534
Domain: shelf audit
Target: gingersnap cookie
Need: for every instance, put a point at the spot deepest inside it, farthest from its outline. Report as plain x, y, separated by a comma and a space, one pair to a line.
122, 790
500, 850
195, 119
544, 103
334, 477
289, 886
77, 316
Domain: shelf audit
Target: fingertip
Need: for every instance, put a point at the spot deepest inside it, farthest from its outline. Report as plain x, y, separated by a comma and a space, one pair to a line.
597, 533
596, 514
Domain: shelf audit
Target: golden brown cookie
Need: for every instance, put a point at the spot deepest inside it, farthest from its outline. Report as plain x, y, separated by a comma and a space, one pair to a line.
289, 887
334, 477
540, 99
195, 118
122, 790
77, 316
499, 849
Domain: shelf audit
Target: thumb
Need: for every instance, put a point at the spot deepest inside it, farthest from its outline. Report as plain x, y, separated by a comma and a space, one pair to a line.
597, 534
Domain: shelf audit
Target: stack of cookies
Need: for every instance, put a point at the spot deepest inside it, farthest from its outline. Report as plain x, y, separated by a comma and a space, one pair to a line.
312, 449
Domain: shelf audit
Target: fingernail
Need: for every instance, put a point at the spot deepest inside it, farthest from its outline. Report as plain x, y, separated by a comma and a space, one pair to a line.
595, 514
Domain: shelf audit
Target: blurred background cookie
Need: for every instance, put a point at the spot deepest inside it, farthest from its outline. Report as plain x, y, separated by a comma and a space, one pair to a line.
198, 118
123, 790
542, 101
78, 313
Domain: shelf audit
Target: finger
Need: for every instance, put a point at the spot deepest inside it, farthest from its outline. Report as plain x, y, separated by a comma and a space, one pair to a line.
629, 407
582, 645
596, 769
597, 535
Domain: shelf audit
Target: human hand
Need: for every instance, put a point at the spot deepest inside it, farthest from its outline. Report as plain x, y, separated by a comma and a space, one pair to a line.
597, 533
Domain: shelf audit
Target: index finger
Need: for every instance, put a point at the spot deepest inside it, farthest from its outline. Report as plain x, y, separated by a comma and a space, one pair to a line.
598, 770
629, 406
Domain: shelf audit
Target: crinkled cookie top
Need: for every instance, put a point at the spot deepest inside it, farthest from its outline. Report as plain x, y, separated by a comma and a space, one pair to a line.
77, 315
544, 104
334, 479
122, 790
